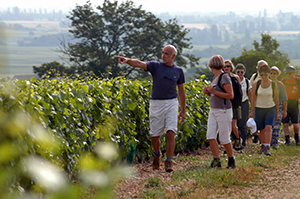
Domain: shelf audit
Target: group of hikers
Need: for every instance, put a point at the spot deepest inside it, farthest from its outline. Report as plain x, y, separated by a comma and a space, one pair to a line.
272, 102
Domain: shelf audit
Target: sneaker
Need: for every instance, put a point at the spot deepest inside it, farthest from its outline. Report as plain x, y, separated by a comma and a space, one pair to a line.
255, 139
297, 141
216, 163
168, 166
156, 160
267, 150
262, 149
231, 164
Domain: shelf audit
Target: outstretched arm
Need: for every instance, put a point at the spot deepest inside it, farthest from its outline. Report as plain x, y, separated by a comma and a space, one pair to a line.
132, 62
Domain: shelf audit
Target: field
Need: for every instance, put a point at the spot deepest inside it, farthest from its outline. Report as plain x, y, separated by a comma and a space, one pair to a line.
15, 59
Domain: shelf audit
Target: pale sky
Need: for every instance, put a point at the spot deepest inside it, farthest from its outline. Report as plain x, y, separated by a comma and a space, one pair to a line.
171, 6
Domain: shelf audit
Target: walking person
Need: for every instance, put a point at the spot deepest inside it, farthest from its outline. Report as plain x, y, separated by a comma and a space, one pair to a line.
254, 78
163, 111
220, 114
240, 70
282, 113
264, 107
237, 112
291, 84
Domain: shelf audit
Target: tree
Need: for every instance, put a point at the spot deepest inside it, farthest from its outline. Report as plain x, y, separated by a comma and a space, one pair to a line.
122, 29
53, 69
267, 50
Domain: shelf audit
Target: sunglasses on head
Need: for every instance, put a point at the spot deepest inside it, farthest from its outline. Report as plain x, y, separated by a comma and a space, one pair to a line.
227, 66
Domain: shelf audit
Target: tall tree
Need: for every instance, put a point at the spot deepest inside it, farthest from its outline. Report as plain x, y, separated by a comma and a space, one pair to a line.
121, 29
266, 50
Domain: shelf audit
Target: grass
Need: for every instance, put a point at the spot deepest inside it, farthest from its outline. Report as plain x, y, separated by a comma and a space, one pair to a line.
197, 179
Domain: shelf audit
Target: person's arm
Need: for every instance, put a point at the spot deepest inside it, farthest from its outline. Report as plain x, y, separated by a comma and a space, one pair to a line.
205, 91
132, 62
284, 99
253, 103
182, 99
276, 99
227, 87
250, 95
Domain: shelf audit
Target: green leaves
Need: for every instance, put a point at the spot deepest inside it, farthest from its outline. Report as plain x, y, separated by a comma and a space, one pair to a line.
81, 113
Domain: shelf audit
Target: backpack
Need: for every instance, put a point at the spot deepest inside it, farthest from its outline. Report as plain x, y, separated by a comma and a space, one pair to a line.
258, 84
247, 83
237, 91
297, 78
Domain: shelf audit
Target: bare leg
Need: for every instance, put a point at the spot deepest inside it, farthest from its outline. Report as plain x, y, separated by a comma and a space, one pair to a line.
170, 144
235, 128
286, 129
266, 135
296, 128
214, 147
156, 143
228, 149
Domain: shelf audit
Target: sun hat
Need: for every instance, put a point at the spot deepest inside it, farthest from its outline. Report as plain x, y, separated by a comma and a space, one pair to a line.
277, 69
290, 69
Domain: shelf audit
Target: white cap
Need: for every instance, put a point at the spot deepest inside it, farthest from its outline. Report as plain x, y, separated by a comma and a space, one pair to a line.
277, 69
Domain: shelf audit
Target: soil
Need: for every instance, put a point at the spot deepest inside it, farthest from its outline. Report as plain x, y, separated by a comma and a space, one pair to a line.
279, 183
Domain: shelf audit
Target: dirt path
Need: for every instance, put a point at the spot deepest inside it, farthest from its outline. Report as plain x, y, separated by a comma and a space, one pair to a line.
279, 183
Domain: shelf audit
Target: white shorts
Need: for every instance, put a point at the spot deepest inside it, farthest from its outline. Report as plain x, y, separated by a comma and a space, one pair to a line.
219, 120
163, 116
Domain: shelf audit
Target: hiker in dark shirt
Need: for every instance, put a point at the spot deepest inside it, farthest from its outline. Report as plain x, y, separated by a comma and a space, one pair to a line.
163, 111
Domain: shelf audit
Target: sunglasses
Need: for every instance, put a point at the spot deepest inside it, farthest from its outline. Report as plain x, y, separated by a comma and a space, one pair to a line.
240, 72
227, 66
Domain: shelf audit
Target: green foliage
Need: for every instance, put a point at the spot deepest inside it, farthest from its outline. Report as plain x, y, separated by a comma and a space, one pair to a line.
267, 50
121, 29
153, 182
31, 167
82, 112
53, 69
67, 125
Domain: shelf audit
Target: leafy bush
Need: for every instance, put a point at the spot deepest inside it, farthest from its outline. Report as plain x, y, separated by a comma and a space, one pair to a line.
62, 121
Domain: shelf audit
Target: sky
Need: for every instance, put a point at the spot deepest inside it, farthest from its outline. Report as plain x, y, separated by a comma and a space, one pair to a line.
170, 6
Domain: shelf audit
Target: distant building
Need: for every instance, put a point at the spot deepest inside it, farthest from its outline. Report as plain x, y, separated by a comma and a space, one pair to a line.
26, 77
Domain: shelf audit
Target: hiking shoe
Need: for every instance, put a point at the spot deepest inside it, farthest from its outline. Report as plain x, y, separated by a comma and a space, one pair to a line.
216, 163
297, 141
255, 139
287, 141
168, 166
156, 160
267, 150
231, 163
262, 149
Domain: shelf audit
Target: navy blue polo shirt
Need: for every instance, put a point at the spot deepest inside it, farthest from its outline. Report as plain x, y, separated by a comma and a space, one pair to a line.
165, 79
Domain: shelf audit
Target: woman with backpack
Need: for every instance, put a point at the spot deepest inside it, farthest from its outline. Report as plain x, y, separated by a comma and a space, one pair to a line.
237, 112
220, 114
265, 107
